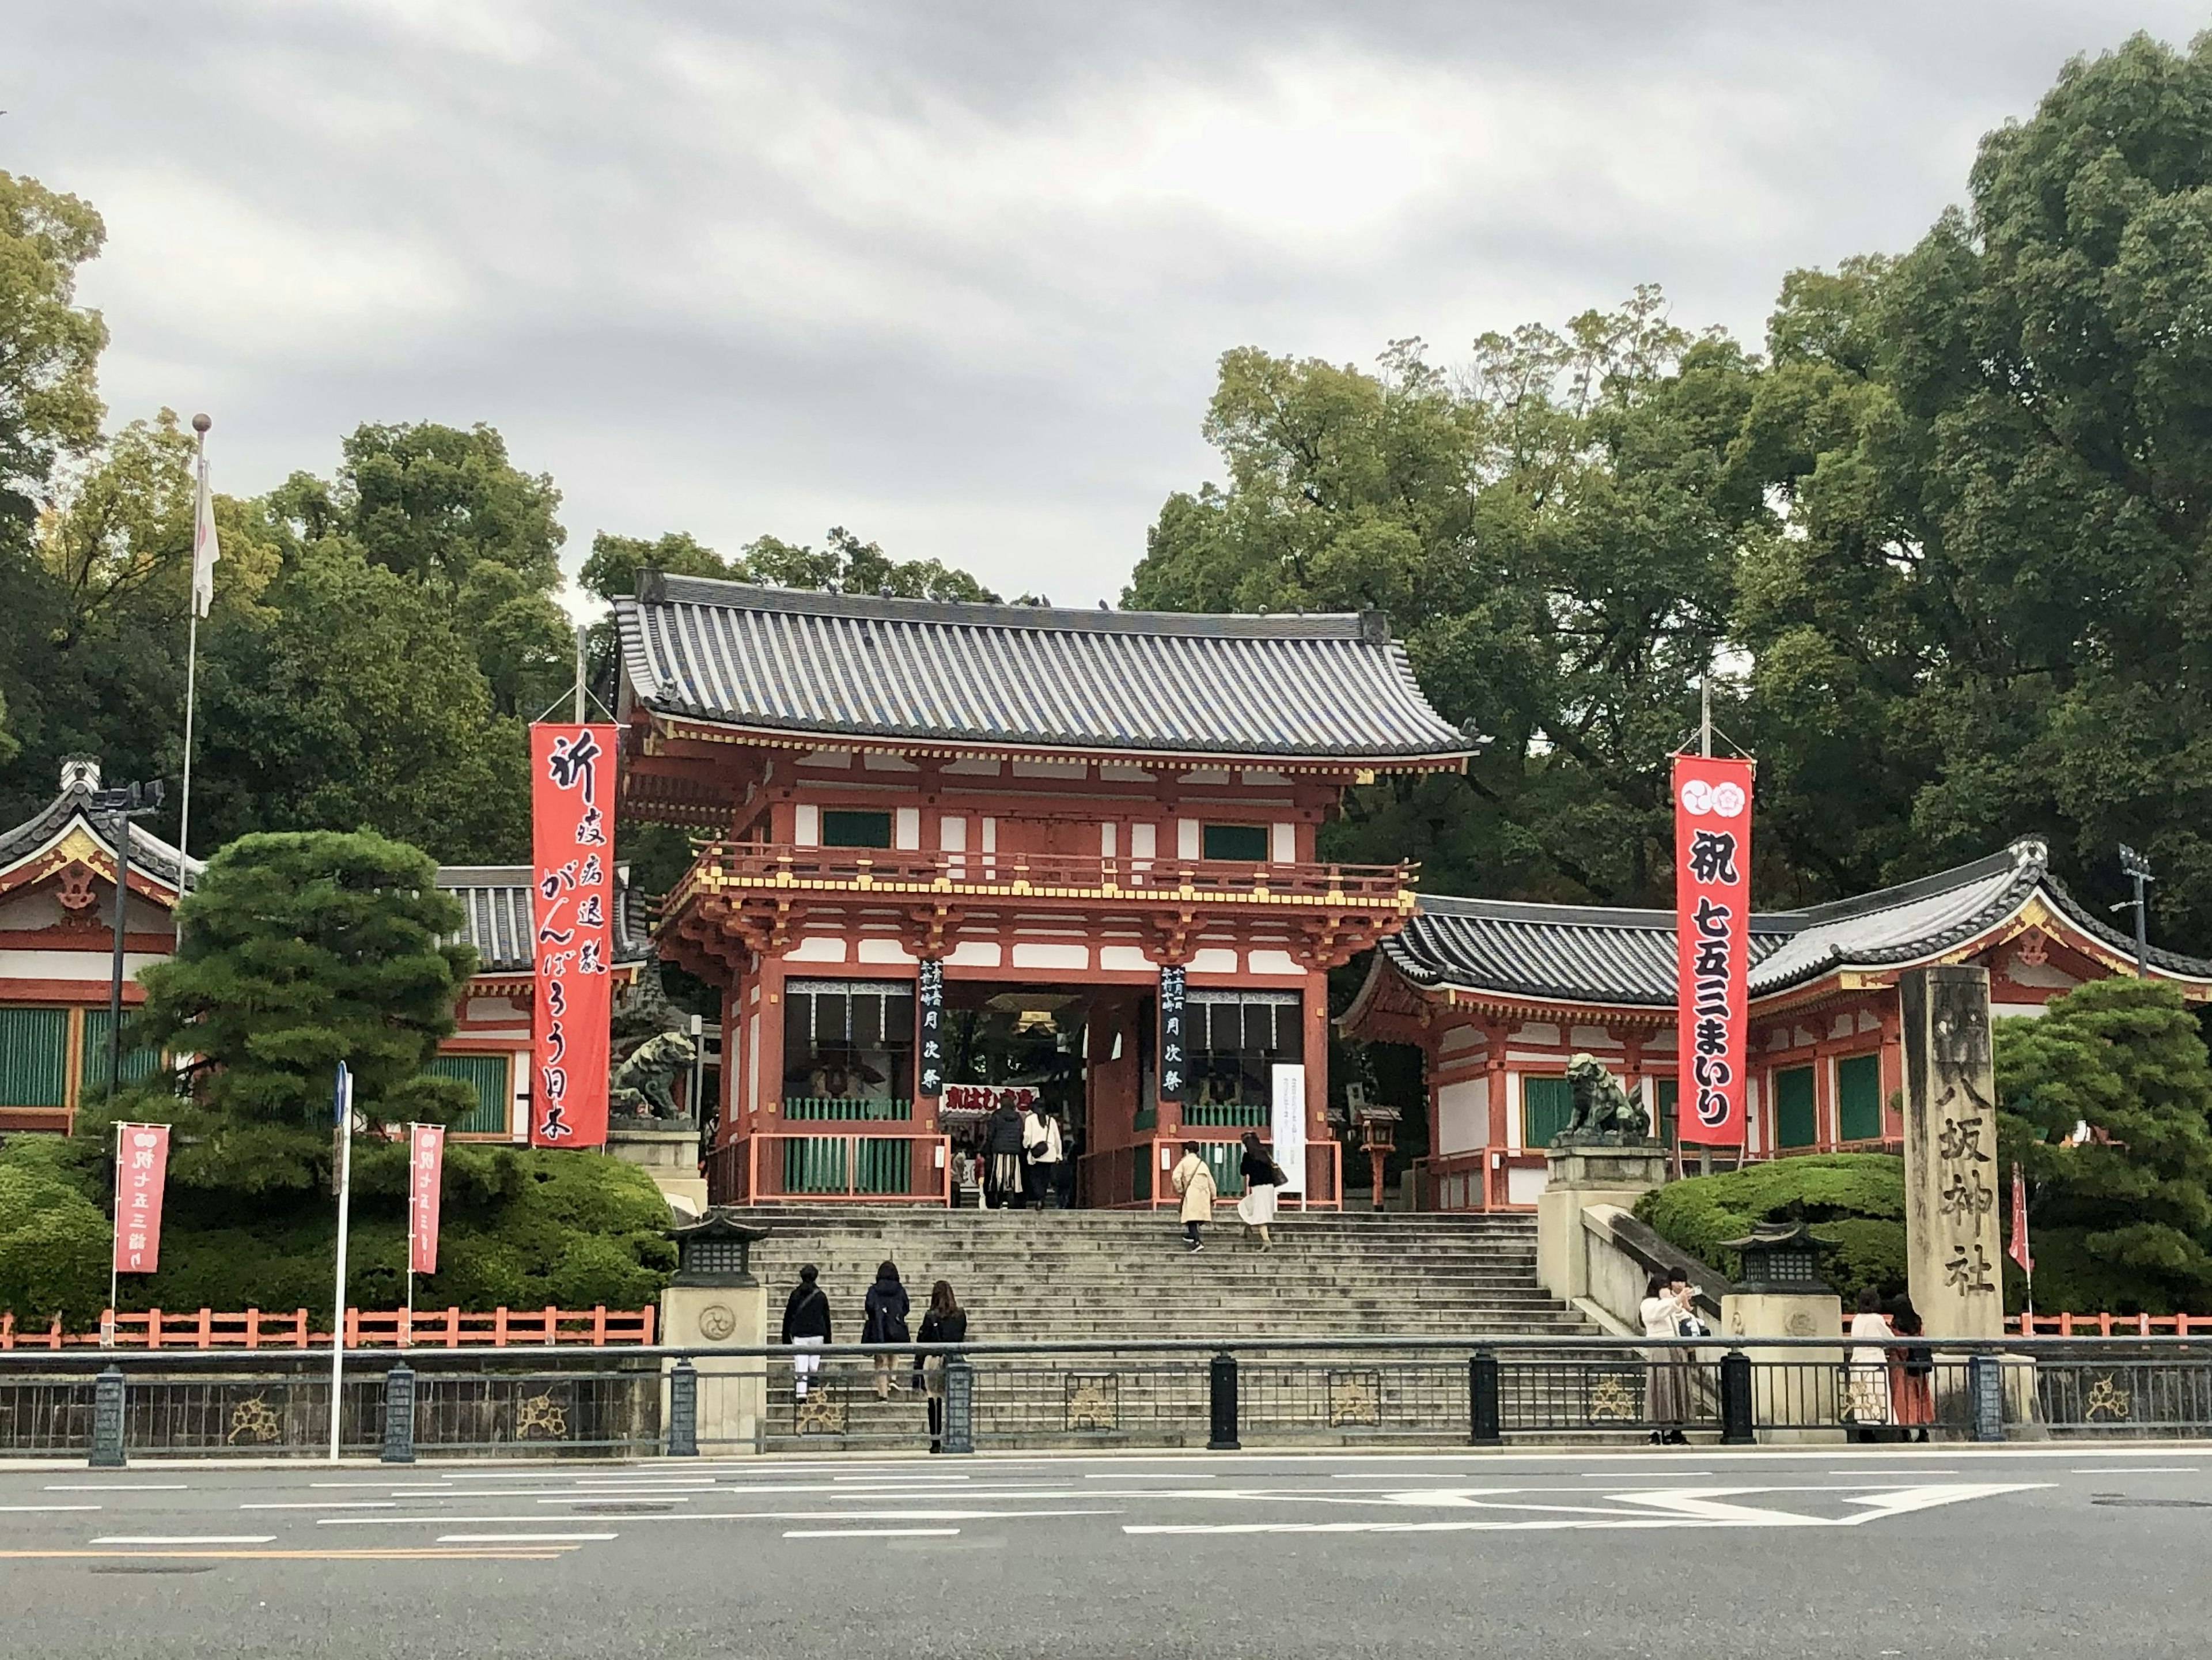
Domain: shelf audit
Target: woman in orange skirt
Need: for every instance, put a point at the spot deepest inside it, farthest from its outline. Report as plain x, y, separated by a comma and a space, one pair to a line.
1911, 1369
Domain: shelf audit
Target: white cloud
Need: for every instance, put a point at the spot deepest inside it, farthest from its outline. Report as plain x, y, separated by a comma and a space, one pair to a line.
953, 276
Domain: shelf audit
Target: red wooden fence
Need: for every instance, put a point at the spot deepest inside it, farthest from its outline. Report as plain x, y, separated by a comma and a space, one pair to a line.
256, 1329
2110, 1325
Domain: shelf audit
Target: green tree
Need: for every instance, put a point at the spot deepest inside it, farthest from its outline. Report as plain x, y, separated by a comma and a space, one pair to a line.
50, 346
350, 698
2120, 1219
1990, 615
448, 511
300, 951
1555, 532
846, 564
49, 413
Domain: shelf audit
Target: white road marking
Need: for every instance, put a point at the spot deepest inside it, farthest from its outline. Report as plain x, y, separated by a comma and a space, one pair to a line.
901, 1481
115, 1486
1689, 1508
872, 1533
2141, 1469
1900, 1470
739, 1516
186, 1539
602, 1498
1640, 1475
520, 1538
328, 1504
1179, 1475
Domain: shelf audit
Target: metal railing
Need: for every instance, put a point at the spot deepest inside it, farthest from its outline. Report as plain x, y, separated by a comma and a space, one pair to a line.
260, 1328
730, 866
766, 1167
1310, 1391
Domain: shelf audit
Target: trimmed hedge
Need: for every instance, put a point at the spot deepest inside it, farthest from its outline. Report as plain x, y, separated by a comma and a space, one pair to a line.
1854, 1201
518, 1228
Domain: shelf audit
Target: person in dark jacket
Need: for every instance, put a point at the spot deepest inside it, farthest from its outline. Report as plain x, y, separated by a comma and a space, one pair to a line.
1263, 1180
886, 1322
947, 1321
805, 1326
1002, 1157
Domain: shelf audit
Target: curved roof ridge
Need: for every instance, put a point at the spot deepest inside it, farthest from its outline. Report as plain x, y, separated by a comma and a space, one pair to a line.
1590, 917
827, 667
2022, 854
660, 587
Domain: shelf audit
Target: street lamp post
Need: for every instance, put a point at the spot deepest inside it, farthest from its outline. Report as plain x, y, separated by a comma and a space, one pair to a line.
121, 805
2137, 870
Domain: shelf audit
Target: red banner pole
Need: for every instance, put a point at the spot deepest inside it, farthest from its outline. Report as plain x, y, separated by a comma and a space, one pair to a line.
1712, 923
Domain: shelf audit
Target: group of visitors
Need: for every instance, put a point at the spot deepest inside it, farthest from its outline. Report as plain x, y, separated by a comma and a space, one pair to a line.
1193, 1181
1028, 1159
886, 1309
1886, 1381
1887, 1385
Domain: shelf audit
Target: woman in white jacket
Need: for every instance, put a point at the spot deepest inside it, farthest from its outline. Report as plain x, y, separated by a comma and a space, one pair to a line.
1040, 1155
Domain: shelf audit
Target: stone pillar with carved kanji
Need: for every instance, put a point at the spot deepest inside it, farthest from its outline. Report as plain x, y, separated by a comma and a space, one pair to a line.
1952, 1247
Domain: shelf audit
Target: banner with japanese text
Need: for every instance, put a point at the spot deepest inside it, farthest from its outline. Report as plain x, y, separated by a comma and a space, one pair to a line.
572, 795
1175, 998
426, 1158
1713, 916
142, 1172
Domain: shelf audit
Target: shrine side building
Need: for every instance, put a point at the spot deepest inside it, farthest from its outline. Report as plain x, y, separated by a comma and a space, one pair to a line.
1019, 832
58, 878
1499, 995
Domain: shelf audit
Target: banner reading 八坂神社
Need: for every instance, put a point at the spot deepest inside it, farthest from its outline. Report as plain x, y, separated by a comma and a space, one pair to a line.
1713, 916
572, 901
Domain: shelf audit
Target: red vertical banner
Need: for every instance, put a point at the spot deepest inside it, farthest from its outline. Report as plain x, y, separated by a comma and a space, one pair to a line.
425, 1159
572, 794
142, 1171
1712, 917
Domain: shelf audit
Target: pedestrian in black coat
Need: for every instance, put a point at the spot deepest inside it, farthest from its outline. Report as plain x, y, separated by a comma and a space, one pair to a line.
1002, 1167
947, 1321
886, 1322
805, 1326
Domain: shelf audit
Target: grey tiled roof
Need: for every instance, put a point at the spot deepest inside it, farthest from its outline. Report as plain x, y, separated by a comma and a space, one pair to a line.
497, 900
1586, 954
149, 853
1324, 687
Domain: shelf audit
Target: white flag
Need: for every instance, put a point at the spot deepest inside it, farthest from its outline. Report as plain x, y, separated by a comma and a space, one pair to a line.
205, 551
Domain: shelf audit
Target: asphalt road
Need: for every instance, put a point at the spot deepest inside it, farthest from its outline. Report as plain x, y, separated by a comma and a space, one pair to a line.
2063, 1550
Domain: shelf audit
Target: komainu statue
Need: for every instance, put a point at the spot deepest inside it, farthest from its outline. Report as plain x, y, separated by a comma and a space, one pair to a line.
638, 1085
1604, 1114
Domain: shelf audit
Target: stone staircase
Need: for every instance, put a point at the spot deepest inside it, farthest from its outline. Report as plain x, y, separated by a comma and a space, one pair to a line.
1029, 1276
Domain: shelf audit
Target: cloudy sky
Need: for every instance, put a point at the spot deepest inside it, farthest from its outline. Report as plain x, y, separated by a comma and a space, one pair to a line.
952, 275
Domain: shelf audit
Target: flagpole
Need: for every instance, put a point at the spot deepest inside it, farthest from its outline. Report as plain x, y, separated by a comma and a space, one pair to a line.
202, 511
344, 1107
407, 1337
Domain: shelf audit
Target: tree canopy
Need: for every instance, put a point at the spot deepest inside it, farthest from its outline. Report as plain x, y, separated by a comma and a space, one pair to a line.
299, 951
2107, 1103
1942, 543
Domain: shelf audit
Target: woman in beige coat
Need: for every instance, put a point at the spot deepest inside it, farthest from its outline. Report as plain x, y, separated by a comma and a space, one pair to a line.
1193, 1180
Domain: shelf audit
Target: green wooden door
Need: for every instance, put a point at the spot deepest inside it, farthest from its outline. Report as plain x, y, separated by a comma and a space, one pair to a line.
1668, 1093
1548, 1104
1858, 1098
1795, 1123
34, 1057
138, 1065
487, 1074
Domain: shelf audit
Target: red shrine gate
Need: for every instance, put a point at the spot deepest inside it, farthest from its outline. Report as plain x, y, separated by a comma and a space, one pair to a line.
1018, 816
